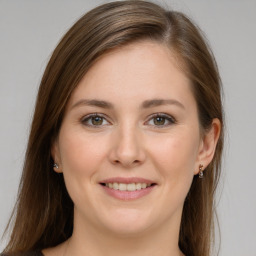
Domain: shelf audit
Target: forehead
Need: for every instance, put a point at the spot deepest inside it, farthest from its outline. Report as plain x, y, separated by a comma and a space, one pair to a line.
143, 69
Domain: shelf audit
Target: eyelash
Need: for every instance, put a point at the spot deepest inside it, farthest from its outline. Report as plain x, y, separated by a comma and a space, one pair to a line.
167, 117
171, 120
89, 117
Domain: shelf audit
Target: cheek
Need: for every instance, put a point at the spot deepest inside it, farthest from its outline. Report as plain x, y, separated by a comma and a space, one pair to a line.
175, 151
81, 157
174, 156
79, 153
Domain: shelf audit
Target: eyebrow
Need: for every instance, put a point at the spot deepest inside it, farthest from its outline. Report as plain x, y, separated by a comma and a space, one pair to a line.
159, 102
95, 103
145, 104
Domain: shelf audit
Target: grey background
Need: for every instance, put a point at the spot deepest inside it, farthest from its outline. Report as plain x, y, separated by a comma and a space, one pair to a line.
30, 30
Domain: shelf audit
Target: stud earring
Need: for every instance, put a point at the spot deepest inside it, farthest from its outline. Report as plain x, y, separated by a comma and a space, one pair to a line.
55, 166
201, 174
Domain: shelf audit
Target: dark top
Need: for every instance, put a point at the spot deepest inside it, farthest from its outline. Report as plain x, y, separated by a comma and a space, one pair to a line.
34, 253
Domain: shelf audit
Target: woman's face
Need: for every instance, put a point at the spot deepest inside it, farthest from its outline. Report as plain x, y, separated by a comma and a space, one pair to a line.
131, 123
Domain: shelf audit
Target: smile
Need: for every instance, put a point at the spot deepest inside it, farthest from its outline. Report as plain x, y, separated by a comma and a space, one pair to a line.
127, 188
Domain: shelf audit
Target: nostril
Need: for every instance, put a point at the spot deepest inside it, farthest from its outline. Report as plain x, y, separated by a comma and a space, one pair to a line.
127, 163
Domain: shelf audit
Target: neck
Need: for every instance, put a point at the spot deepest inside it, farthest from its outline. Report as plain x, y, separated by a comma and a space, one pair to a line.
90, 241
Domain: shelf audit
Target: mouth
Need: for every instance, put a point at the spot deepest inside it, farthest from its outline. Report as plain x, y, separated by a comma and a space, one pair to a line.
127, 188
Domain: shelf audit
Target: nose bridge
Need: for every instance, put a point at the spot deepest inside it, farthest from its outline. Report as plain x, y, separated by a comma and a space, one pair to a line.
128, 148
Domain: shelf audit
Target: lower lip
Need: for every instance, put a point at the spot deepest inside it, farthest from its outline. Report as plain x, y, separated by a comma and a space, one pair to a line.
128, 195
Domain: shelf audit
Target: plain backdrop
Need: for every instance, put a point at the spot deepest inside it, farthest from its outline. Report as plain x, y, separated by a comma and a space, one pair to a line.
30, 30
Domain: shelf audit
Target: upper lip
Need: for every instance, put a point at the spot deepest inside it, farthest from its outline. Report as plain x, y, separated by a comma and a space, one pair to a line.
127, 180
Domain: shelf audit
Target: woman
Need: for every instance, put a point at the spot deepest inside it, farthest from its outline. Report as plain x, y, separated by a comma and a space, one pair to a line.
125, 146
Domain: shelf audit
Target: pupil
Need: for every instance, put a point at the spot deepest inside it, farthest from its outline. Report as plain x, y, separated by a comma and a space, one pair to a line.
97, 120
159, 120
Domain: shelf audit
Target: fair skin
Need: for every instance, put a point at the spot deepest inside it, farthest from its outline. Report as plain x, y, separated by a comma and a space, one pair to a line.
133, 116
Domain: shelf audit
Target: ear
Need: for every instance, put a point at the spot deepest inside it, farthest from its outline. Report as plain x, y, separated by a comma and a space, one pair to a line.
55, 153
208, 145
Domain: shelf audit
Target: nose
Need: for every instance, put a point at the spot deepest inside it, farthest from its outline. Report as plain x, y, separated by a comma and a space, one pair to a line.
127, 148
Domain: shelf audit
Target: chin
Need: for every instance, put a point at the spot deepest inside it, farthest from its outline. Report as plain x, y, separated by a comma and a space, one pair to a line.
126, 222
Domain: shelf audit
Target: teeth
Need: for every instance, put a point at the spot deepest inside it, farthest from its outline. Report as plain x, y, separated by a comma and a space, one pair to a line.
143, 185
131, 187
115, 186
127, 187
138, 186
122, 187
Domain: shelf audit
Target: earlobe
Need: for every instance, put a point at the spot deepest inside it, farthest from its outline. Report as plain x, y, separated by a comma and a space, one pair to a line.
208, 144
56, 157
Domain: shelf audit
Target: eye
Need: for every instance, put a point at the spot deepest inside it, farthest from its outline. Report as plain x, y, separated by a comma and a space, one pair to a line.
94, 120
161, 120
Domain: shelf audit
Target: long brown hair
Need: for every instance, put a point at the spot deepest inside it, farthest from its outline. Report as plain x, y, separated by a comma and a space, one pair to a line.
43, 216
